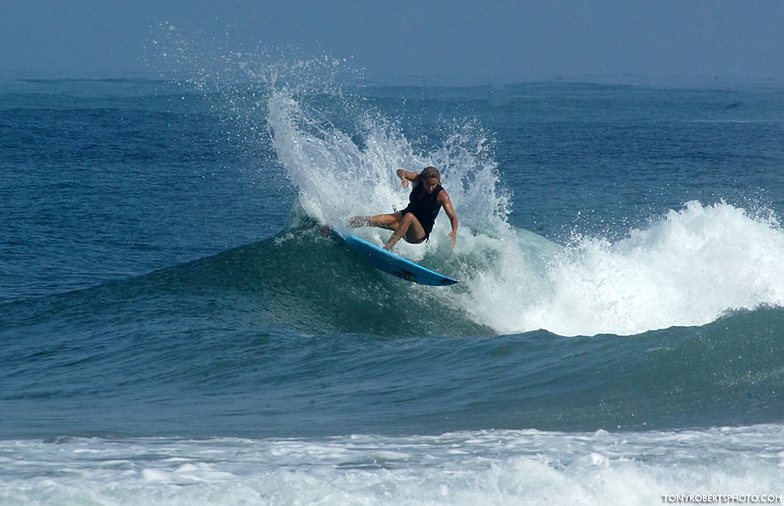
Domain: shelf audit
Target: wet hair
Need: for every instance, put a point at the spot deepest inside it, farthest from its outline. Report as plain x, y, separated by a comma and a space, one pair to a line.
429, 172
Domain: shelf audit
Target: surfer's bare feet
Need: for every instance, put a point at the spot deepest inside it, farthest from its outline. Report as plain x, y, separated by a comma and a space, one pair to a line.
358, 221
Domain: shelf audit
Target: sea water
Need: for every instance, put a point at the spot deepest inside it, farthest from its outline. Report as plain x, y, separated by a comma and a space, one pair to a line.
177, 328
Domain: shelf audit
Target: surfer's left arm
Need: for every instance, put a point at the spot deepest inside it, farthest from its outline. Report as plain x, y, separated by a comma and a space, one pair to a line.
446, 203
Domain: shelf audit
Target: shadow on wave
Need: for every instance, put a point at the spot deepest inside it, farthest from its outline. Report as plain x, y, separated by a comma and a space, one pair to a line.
301, 280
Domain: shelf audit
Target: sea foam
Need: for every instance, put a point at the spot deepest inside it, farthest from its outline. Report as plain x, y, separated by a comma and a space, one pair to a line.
687, 268
463, 468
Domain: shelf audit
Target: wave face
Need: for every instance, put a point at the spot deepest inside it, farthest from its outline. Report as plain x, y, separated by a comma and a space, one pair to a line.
298, 332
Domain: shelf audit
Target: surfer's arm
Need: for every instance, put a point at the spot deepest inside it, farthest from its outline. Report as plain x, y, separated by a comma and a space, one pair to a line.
446, 203
406, 176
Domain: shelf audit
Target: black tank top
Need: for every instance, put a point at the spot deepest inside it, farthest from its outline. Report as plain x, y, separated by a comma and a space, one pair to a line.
424, 207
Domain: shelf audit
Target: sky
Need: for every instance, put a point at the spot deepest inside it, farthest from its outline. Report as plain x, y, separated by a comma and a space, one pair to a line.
496, 40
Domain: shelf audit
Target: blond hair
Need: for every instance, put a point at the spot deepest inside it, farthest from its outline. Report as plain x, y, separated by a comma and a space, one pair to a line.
430, 172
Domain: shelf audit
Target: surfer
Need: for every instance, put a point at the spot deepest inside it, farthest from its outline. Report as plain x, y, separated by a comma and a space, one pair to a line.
415, 222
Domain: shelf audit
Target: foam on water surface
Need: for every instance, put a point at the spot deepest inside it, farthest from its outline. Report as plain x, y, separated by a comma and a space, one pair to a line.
479, 467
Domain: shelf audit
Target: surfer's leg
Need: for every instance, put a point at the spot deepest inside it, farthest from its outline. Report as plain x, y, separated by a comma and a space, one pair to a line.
410, 228
388, 221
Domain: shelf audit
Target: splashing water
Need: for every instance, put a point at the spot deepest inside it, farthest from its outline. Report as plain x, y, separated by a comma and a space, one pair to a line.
337, 177
688, 268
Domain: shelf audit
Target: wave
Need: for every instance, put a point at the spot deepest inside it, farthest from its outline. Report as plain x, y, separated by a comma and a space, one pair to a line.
687, 269
298, 332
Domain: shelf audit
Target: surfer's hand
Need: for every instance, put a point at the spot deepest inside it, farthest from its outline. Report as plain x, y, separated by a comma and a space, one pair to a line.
404, 182
453, 237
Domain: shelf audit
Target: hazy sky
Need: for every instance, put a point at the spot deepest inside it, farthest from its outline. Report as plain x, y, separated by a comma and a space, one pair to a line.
497, 39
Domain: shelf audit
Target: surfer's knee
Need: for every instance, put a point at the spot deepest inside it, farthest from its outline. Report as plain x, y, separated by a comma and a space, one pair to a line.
408, 219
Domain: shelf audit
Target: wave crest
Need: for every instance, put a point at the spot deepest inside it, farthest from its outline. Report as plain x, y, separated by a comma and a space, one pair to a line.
688, 268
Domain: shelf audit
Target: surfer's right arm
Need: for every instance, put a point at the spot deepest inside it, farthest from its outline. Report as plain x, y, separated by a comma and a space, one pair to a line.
406, 176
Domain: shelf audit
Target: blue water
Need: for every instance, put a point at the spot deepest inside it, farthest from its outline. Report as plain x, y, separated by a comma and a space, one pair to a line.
172, 314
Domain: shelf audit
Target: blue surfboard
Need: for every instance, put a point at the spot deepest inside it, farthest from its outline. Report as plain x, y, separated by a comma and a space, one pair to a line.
394, 264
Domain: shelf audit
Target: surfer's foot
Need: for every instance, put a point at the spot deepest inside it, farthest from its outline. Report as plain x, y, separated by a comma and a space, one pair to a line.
358, 221
391, 242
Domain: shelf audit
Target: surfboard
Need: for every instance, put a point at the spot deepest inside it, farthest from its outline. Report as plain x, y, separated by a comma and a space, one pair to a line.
394, 264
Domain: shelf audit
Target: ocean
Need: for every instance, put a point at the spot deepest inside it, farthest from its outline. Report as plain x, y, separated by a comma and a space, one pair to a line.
177, 328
